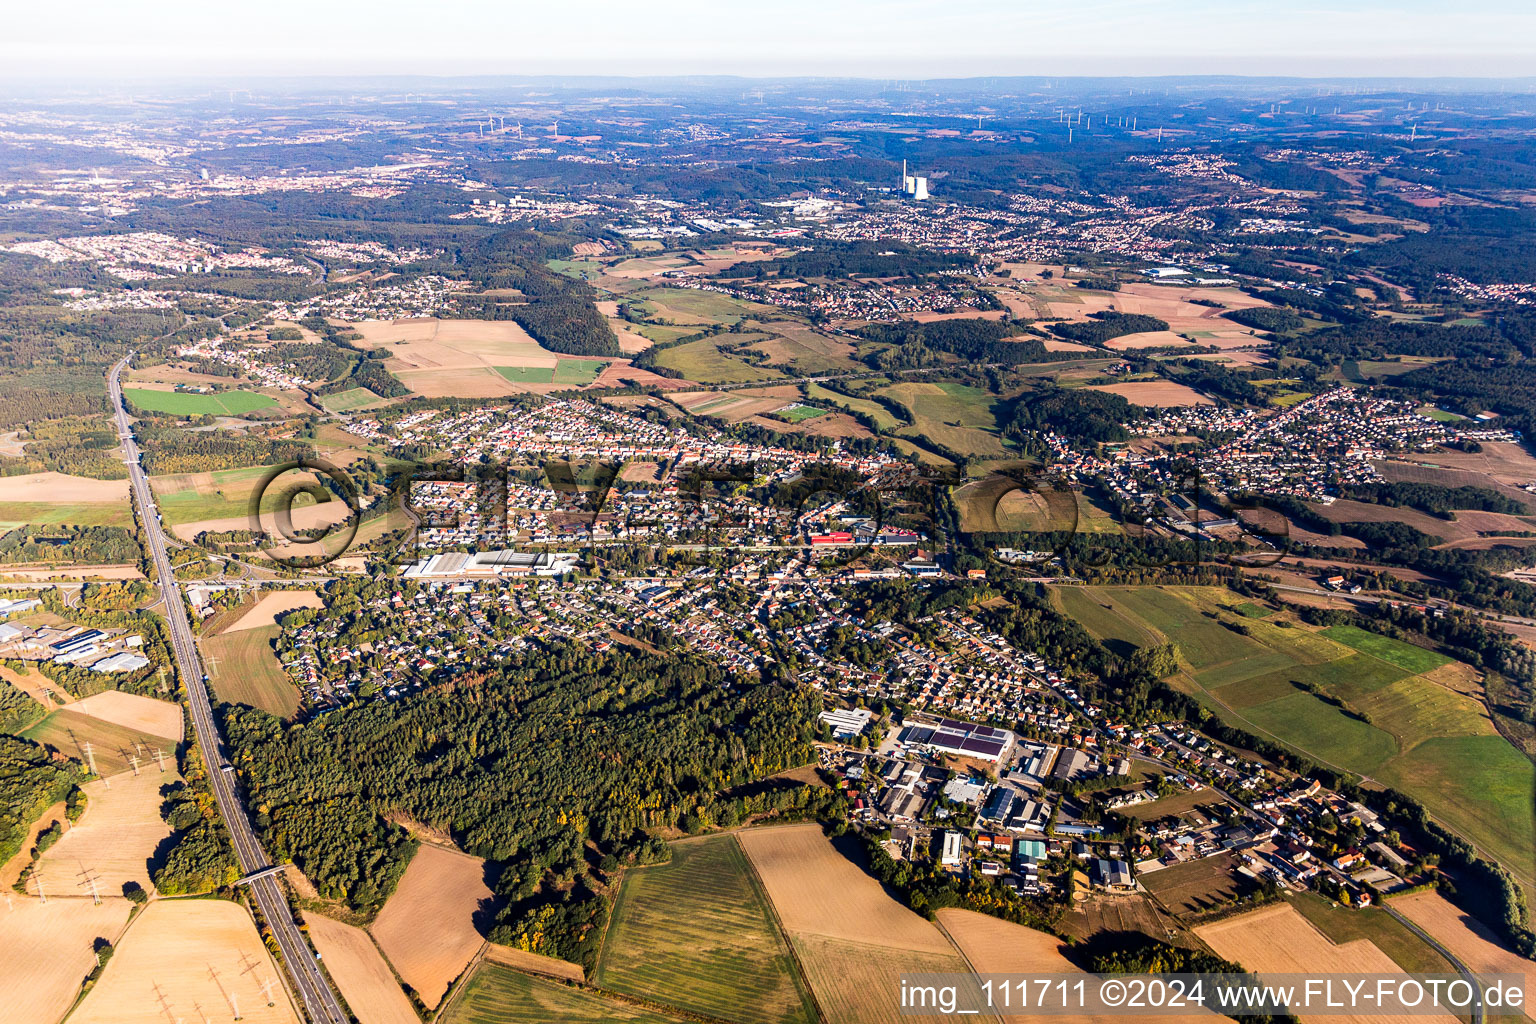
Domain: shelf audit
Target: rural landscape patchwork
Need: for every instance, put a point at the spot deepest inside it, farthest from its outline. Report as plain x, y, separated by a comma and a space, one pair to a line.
554, 550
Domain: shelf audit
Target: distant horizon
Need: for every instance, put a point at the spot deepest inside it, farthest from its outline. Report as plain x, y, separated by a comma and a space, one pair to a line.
877, 39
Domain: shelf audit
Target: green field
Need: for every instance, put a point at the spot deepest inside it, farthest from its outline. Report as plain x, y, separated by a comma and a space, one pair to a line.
528, 374
222, 494
696, 932
955, 415
248, 672
1394, 652
1422, 736
578, 371
703, 361
500, 995
111, 745
178, 403
347, 401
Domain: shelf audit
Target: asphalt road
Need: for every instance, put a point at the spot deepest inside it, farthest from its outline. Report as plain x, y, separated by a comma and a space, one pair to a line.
305, 979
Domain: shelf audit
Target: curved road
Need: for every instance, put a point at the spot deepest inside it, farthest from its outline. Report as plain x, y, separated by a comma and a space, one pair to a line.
314, 991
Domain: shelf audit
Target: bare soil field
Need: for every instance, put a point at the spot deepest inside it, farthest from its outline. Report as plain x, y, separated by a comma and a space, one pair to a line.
182, 958
46, 952
62, 489
1197, 886
837, 424
994, 946
37, 686
304, 516
426, 929
132, 711
1105, 913
432, 344
1057, 345
532, 963
1154, 394
1505, 461
1467, 938
365, 980
1279, 940
272, 605
115, 837
819, 891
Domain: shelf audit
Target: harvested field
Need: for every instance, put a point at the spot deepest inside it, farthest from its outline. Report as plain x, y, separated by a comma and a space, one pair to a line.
620, 373
852, 939
1279, 940
61, 489
858, 982
835, 424
696, 933
533, 963
1347, 511
1104, 913
10, 871
994, 946
132, 711
274, 604
366, 982
115, 839
1504, 461
1467, 938
426, 928
1154, 394
500, 995
819, 891
68, 732
1198, 886
46, 950
182, 958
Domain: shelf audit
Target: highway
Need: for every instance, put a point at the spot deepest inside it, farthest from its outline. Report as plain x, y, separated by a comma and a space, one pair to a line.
305, 979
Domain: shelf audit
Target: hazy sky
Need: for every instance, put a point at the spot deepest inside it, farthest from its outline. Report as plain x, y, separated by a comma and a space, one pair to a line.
880, 38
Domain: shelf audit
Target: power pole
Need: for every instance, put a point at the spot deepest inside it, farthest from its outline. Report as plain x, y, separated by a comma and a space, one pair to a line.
90, 757
160, 757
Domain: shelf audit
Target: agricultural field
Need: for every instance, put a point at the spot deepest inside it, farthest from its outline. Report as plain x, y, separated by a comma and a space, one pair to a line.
955, 415
500, 995
455, 358
349, 401
132, 711
52, 499
272, 606
426, 929
703, 361
360, 972
852, 939
807, 350
221, 500
994, 946
691, 305
997, 503
1465, 938
1279, 940
110, 744
244, 670
1387, 933
696, 933
182, 403
882, 417
181, 959
46, 950
115, 839
1154, 394
1408, 719
1193, 888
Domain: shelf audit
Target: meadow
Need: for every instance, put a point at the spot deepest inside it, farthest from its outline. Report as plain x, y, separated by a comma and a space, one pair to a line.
350, 400
1407, 721
111, 745
696, 933
181, 403
703, 361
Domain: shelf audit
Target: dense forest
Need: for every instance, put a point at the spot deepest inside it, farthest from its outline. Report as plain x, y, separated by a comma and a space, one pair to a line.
169, 450
971, 341
524, 767
91, 545
1108, 325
